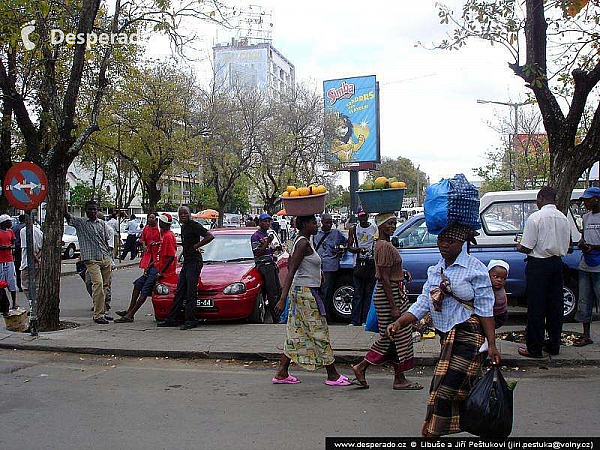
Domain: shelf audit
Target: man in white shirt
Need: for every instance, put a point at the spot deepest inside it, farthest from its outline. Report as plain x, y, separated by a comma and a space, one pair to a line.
38, 237
113, 222
546, 239
133, 229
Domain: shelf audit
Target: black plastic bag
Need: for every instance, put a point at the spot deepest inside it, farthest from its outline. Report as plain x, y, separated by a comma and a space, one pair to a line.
488, 410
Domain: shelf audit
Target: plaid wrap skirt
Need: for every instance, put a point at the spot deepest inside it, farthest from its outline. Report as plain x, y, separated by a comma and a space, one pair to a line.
457, 370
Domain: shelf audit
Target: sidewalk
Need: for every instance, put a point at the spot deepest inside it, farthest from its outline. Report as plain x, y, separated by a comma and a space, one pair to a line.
252, 342
67, 266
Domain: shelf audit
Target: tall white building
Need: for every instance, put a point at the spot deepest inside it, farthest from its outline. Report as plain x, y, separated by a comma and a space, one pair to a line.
254, 65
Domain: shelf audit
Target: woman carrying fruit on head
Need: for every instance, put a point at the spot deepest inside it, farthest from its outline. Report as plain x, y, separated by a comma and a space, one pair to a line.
458, 295
307, 340
391, 302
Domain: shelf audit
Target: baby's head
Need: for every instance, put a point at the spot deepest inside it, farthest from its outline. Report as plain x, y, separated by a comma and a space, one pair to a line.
498, 271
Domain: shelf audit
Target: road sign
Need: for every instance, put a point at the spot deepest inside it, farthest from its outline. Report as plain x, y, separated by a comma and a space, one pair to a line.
25, 186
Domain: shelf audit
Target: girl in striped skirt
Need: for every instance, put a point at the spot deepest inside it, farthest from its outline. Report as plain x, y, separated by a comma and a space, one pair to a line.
390, 302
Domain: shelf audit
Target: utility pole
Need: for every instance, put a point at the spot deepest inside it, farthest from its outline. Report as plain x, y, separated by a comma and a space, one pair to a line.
512, 180
418, 187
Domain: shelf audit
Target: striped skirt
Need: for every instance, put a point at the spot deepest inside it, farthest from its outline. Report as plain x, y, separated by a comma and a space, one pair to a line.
398, 351
455, 373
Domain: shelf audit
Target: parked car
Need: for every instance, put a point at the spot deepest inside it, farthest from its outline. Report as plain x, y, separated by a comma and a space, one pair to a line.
70, 242
503, 216
230, 286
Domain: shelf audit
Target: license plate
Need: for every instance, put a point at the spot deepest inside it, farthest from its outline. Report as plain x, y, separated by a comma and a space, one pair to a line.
204, 303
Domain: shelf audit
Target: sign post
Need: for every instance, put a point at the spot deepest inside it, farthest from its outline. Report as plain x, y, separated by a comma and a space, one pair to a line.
26, 186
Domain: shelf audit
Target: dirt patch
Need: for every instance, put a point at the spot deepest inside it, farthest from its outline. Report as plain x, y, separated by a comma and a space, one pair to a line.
567, 337
67, 325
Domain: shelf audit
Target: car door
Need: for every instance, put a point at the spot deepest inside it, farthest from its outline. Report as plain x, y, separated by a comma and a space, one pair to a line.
419, 251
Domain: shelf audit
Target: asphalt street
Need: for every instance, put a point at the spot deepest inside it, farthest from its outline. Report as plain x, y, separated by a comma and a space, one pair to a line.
52, 400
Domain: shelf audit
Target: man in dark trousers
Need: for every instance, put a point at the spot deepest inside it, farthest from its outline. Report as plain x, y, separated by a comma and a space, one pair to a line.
327, 244
546, 239
265, 262
194, 236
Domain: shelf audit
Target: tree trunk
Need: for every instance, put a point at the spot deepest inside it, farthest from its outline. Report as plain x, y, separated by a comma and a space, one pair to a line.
566, 166
48, 295
153, 195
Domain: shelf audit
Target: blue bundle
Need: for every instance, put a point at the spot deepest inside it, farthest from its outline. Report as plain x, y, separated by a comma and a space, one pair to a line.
449, 202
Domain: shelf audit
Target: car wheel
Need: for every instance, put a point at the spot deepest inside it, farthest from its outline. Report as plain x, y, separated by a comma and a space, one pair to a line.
342, 302
569, 302
70, 252
259, 311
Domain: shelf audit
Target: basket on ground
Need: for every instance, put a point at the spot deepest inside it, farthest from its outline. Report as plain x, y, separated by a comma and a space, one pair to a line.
381, 200
304, 205
16, 320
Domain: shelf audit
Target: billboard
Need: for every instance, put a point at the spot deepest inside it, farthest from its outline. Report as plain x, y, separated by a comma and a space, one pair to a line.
353, 106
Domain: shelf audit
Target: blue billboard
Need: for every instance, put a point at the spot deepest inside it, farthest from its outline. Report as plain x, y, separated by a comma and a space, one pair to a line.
353, 104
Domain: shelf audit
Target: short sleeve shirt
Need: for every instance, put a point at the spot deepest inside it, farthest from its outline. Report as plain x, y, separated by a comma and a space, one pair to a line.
547, 233
7, 238
150, 235
93, 236
191, 234
388, 256
327, 249
591, 235
168, 247
256, 240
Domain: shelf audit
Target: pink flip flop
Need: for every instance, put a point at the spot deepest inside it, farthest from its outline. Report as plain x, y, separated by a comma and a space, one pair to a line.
289, 380
341, 381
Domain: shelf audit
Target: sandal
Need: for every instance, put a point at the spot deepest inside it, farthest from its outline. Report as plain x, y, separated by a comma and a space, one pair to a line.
341, 381
412, 386
582, 342
124, 319
361, 384
289, 380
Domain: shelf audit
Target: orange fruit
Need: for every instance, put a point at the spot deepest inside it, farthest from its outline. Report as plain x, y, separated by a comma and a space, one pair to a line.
294, 194
303, 191
285, 194
290, 189
321, 189
402, 184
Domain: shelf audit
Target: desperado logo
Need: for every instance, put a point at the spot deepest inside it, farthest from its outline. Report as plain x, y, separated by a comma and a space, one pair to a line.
344, 91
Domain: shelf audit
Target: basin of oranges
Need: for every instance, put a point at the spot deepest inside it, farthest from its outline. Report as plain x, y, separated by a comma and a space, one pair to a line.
293, 191
304, 201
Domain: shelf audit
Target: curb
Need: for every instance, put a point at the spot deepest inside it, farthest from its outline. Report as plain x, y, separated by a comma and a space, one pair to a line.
123, 266
340, 358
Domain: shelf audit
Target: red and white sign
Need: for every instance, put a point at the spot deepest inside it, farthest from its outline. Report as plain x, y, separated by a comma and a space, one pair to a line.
25, 186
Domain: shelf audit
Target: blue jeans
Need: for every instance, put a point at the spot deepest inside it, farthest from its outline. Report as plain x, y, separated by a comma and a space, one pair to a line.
589, 293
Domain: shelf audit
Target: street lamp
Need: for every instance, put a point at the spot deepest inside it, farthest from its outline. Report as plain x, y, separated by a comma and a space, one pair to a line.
516, 132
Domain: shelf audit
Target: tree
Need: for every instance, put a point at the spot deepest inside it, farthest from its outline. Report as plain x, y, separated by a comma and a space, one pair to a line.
557, 58
230, 123
84, 191
156, 106
404, 170
292, 145
41, 89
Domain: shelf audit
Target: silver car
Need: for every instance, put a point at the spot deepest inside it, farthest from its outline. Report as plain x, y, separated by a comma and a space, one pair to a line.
70, 243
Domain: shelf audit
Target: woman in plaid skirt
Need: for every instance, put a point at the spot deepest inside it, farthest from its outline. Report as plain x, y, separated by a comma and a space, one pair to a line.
458, 295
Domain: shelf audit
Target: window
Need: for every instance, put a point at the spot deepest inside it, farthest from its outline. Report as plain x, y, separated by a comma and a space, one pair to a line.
417, 236
506, 218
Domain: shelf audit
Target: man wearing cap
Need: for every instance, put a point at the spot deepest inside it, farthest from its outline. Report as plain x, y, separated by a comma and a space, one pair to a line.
361, 239
95, 252
160, 265
589, 268
265, 262
193, 236
7, 262
546, 238
327, 244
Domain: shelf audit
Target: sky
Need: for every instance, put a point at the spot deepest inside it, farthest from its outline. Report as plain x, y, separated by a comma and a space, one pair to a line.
428, 98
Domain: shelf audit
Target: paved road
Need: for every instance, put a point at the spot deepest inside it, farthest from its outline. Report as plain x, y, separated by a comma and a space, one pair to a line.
52, 401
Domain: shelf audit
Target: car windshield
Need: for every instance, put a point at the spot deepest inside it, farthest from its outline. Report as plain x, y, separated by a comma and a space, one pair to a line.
70, 230
228, 248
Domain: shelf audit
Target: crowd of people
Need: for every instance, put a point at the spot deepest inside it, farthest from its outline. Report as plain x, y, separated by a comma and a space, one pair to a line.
464, 300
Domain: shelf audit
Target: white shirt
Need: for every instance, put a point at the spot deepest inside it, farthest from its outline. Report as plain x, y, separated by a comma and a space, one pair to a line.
38, 237
547, 233
283, 224
114, 224
111, 236
132, 227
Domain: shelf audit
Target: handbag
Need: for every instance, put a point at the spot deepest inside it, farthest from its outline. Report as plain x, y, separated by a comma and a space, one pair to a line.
372, 324
348, 261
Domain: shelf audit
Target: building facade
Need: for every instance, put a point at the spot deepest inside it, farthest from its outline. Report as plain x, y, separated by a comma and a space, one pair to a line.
253, 65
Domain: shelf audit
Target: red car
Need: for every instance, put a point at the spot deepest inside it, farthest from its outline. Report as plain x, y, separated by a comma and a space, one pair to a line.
230, 286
